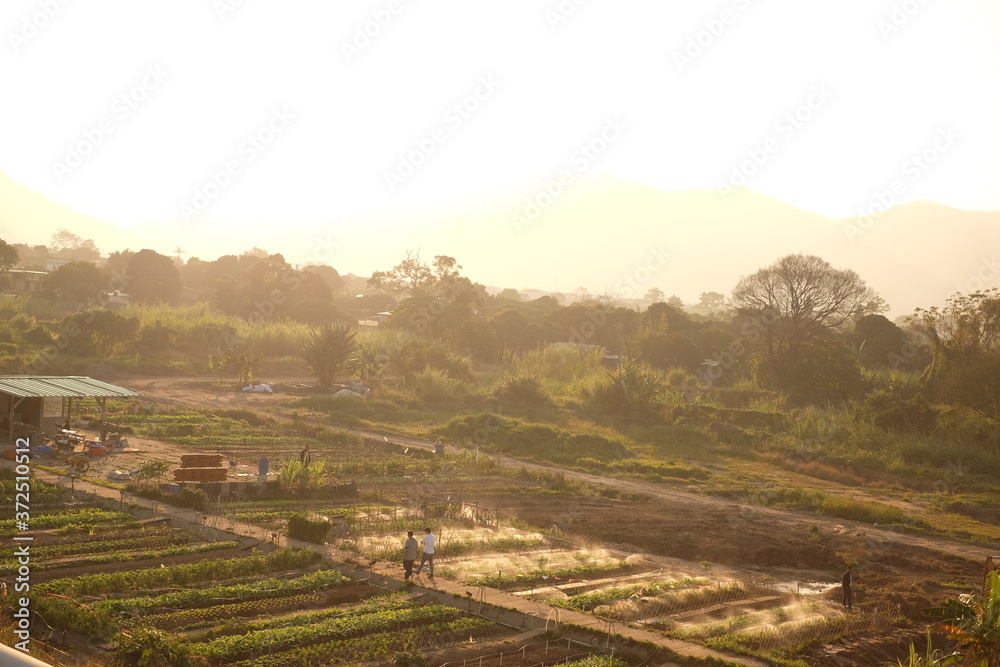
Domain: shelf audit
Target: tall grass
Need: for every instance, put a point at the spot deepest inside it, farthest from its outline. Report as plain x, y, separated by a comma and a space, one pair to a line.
201, 323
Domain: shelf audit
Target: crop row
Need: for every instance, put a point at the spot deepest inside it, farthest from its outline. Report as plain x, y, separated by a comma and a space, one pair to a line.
353, 623
676, 601
187, 619
121, 555
259, 515
373, 646
97, 544
180, 550
594, 599
524, 580
70, 519
390, 549
179, 575
254, 590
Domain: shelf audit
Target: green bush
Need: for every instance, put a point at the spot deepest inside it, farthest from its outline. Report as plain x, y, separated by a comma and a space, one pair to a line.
891, 413
540, 441
521, 389
311, 530
38, 335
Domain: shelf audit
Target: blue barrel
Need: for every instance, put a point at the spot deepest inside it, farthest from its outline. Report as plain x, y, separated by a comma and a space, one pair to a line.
262, 465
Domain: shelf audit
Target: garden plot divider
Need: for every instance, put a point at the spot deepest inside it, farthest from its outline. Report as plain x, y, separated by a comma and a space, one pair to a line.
825, 628
652, 610
521, 654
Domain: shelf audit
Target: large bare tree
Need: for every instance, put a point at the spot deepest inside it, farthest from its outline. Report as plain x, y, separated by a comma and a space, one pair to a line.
796, 300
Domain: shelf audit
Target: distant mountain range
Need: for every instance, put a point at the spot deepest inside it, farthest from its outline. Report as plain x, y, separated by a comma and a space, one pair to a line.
603, 234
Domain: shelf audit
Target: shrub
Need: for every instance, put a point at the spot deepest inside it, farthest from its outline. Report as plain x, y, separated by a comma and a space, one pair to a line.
435, 386
147, 647
521, 389
311, 530
891, 413
22, 322
38, 335
539, 441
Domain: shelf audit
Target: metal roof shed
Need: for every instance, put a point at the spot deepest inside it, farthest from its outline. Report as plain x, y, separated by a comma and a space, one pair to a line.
41, 391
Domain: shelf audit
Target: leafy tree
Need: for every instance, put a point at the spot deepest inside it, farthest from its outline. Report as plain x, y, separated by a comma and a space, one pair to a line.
76, 282
675, 301
515, 331
98, 331
8, 259
964, 337
509, 294
151, 277
798, 299
68, 245
655, 295
242, 358
328, 352
328, 274
410, 276
712, 301
440, 303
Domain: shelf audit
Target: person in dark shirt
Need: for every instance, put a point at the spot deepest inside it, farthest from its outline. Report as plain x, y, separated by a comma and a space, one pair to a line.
847, 583
409, 554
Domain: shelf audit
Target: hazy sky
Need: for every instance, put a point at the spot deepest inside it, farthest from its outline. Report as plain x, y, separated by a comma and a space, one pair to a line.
224, 118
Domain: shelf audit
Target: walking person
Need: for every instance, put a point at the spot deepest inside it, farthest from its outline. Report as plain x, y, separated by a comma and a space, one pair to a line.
427, 541
847, 583
305, 456
409, 554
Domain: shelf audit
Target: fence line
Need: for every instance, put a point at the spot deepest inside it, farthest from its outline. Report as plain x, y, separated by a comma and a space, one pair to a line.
522, 650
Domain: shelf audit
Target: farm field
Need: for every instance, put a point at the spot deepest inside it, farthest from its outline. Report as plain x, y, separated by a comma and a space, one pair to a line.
753, 582
115, 588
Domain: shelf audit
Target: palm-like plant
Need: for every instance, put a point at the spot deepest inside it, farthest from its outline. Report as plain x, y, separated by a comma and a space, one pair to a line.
973, 620
298, 477
328, 352
637, 384
370, 362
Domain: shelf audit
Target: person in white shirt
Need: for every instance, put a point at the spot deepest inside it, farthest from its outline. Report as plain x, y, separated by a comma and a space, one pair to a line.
427, 541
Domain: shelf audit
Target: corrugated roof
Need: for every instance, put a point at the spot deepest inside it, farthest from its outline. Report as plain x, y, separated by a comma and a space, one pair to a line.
28, 386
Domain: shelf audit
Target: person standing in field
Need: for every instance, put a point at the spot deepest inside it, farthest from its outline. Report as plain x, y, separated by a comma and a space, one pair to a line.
305, 456
847, 583
427, 541
409, 554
